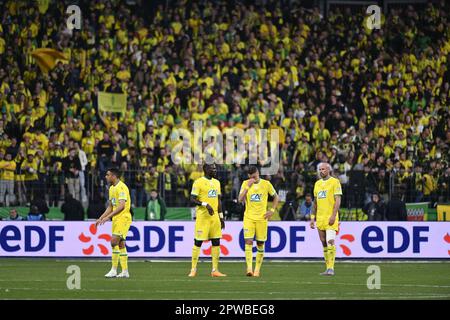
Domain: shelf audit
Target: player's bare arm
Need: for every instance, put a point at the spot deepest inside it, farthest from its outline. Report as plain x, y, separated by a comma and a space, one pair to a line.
195, 201
271, 211
243, 194
222, 221
313, 215
111, 214
337, 204
108, 210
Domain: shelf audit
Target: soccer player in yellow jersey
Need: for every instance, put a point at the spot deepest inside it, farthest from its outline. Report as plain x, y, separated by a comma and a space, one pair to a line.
206, 195
119, 210
327, 194
254, 192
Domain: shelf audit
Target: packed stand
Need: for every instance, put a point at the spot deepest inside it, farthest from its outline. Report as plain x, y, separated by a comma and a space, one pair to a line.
373, 103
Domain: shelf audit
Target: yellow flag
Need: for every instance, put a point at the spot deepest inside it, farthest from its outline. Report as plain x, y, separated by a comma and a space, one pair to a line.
47, 58
112, 102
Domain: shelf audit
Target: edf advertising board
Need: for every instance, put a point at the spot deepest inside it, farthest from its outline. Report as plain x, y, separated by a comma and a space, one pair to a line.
175, 239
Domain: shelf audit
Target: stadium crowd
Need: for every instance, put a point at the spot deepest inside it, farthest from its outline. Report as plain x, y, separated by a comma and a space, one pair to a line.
371, 101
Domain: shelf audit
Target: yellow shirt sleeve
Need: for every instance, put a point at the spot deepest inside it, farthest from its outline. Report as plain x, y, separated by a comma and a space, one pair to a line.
337, 188
196, 188
270, 189
122, 194
219, 191
242, 186
315, 191
111, 194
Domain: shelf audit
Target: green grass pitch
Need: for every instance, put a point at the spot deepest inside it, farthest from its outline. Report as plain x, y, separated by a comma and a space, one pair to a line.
47, 279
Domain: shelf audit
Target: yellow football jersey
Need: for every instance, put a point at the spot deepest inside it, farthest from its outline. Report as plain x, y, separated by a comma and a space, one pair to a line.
120, 192
7, 169
256, 200
324, 192
207, 190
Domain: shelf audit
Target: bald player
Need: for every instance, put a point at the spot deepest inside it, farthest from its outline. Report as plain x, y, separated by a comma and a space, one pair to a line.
327, 199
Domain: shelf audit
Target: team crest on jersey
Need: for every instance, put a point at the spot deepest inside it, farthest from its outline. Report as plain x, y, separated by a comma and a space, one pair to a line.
212, 193
322, 194
256, 197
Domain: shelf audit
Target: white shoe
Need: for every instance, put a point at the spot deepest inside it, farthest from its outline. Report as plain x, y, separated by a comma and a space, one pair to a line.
123, 274
111, 274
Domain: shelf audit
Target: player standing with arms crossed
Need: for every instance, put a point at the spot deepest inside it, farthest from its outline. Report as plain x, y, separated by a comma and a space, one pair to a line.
119, 210
209, 221
254, 192
327, 199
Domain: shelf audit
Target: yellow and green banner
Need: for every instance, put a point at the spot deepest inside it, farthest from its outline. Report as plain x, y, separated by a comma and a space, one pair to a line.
112, 102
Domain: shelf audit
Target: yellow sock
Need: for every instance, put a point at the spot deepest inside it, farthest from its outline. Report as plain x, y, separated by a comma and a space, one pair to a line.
259, 257
124, 258
325, 255
331, 256
195, 255
249, 256
115, 257
215, 252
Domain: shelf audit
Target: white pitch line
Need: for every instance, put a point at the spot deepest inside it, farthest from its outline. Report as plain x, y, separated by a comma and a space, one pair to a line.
242, 281
66, 290
307, 292
241, 260
377, 295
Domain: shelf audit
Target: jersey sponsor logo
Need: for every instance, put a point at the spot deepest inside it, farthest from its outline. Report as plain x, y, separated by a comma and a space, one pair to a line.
212, 193
322, 194
122, 194
256, 197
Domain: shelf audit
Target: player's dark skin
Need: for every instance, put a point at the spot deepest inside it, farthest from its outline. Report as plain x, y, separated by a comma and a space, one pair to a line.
210, 171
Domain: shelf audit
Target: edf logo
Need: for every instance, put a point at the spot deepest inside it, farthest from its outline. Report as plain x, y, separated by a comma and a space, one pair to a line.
256, 197
212, 193
396, 240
